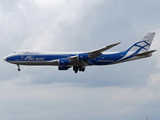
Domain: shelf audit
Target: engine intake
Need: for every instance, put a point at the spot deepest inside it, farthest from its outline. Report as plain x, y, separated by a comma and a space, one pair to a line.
83, 56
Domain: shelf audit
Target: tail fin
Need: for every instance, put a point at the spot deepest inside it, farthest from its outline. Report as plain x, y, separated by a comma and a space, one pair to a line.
143, 44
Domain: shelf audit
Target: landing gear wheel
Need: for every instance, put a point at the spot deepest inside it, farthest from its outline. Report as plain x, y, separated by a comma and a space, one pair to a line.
83, 69
75, 69
78, 68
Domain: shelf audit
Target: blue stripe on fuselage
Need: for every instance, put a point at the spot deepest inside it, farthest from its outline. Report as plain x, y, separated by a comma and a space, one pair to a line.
107, 59
37, 57
101, 60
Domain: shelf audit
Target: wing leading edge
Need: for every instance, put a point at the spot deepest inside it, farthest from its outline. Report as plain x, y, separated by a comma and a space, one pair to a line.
99, 51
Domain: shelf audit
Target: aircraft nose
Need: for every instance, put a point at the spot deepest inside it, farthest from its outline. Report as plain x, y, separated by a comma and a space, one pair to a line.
4, 58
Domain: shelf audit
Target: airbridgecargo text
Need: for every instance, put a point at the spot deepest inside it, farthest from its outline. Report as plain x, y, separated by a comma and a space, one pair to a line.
32, 58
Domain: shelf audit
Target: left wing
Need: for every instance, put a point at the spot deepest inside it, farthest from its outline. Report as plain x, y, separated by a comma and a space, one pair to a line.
96, 53
83, 57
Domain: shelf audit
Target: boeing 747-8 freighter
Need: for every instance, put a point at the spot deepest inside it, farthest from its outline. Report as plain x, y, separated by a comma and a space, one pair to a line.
80, 60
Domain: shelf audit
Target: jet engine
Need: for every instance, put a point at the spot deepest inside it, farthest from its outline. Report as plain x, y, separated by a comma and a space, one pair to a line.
83, 56
64, 62
63, 67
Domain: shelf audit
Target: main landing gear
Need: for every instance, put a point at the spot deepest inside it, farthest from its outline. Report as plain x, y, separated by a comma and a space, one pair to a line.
19, 68
78, 68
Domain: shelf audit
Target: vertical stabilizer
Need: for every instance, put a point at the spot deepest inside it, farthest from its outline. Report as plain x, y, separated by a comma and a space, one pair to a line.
143, 44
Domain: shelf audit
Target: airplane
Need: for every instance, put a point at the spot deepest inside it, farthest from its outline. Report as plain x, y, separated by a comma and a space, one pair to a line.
80, 60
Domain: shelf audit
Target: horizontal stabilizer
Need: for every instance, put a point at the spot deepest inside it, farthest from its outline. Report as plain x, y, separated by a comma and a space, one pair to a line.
148, 53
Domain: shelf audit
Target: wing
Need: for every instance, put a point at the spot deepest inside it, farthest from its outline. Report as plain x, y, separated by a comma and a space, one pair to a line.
92, 54
98, 52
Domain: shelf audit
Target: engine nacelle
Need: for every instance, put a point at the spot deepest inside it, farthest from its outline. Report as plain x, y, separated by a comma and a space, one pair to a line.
63, 67
83, 56
64, 62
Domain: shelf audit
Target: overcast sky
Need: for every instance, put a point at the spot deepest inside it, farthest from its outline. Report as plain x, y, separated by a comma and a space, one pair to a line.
118, 92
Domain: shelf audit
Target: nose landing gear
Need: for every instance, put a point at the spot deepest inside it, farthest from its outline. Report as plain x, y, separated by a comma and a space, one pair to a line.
19, 68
